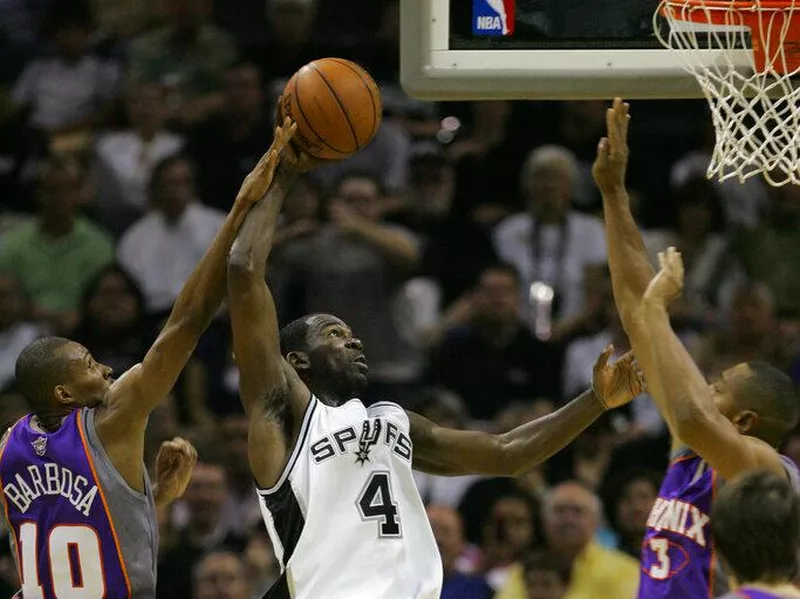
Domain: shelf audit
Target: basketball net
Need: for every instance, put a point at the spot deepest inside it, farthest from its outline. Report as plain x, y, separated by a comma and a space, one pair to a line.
755, 109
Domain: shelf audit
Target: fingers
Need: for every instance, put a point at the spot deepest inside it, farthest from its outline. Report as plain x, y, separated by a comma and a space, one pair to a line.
602, 359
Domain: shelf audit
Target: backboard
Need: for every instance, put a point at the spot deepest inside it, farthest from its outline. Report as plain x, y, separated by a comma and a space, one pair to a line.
545, 49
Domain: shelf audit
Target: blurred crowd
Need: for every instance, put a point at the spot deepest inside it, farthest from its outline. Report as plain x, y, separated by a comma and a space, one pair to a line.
463, 246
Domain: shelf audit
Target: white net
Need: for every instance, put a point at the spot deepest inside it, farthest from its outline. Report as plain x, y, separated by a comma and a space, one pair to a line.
754, 105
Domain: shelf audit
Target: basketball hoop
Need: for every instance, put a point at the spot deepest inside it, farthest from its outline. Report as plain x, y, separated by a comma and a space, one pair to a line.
755, 109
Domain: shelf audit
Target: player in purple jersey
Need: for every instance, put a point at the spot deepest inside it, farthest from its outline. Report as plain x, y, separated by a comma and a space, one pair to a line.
756, 528
75, 492
719, 430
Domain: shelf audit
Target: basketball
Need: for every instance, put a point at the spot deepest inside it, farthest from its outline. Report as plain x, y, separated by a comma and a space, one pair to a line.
336, 105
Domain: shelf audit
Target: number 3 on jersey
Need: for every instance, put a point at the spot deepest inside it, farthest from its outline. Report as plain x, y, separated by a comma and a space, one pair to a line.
376, 503
76, 564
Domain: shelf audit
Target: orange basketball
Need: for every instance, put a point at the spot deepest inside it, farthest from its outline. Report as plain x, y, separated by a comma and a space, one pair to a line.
336, 105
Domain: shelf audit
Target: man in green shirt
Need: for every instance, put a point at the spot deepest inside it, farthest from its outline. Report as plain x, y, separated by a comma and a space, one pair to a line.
55, 255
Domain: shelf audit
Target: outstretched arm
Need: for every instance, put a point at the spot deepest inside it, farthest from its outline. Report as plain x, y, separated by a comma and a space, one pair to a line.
450, 452
682, 395
135, 394
268, 386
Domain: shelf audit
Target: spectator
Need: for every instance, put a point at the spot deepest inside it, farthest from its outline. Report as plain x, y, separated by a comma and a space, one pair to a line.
161, 249
125, 159
228, 145
56, 254
354, 268
493, 358
15, 331
259, 560
547, 576
552, 244
571, 518
113, 324
241, 512
628, 498
447, 528
221, 575
289, 41
188, 56
71, 90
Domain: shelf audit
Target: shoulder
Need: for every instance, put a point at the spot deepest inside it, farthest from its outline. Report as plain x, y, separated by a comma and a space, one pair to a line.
202, 214
612, 562
386, 408
20, 233
512, 227
88, 229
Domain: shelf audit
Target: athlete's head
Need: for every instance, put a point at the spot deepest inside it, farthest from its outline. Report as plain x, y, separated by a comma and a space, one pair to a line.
326, 355
56, 376
758, 399
755, 524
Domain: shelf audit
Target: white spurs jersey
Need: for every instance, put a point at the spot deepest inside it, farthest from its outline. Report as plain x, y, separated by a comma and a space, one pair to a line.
345, 517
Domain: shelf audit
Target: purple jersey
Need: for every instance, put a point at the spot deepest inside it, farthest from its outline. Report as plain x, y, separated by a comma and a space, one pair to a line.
66, 543
745, 593
678, 557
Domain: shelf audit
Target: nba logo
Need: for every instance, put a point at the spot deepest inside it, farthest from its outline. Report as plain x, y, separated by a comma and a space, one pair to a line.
493, 17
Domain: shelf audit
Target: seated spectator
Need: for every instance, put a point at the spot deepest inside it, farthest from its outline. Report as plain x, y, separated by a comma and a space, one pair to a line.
449, 534
553, 245
113, 324
628, 498
57, 253
226, 146
188, 56
162, 248
753, 334
697, 231
289, 41
16, 332
259, 560
125, 159
492, 358
221, 575
547, 576
71, 90
768, 252
241, 511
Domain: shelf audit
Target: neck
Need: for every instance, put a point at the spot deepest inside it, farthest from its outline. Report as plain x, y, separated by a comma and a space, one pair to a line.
148, 133
570, 554
550, 217
173, 213
499, 334
49, 422
56, 226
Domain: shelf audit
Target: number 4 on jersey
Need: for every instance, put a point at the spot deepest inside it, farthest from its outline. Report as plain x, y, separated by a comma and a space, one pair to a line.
376, 503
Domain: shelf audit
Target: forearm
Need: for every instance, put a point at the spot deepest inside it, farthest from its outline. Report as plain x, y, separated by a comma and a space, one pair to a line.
395, 246
628, 261
256, 237
527, 446
671, 368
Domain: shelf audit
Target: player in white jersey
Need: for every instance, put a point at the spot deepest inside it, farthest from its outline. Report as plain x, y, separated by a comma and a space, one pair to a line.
335, 477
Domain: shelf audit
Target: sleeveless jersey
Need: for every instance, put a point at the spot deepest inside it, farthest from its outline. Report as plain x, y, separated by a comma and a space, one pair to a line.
678, 558
345, 517
77, 528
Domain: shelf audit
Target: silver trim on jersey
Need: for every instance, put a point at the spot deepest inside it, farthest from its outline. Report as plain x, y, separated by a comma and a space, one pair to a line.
301, 440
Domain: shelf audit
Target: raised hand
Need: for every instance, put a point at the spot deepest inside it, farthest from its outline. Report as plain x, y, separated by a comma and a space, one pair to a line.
612, 152
667, 285
257, 183
174, 464
618, 383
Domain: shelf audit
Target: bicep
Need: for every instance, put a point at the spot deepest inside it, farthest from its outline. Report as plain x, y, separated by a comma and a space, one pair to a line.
451, 452
256, 345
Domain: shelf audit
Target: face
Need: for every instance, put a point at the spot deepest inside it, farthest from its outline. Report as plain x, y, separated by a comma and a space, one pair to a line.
542, 584
113, 306
221, 576
695, 218
336, 358
361, 196
634, 506
73, 40
206, 495
244, 93
291, 21
175, 188
89, 381
511, 524
146, 108
302, 203
723, 389
432, 186
571, 518
498, 297
447, 531
752, 315
551, 189
60, 192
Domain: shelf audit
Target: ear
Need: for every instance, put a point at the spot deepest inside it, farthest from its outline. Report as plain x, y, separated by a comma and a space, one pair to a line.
298, 360
746, 421
63, 396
